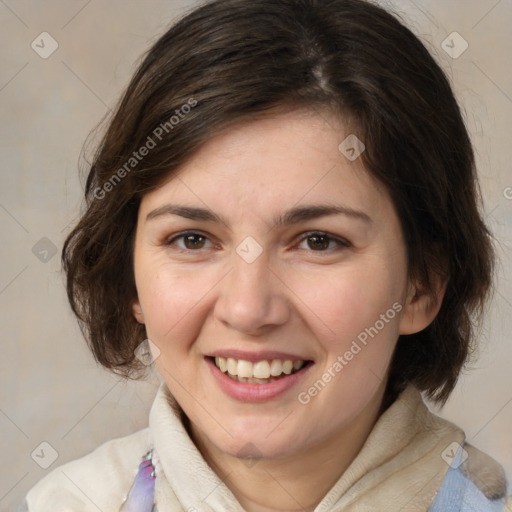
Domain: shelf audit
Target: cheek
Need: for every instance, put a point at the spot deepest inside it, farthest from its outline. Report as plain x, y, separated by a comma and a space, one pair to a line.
171, 302
344, 302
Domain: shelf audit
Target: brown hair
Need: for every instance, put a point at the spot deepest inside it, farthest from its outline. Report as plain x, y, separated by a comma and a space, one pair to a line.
230, 60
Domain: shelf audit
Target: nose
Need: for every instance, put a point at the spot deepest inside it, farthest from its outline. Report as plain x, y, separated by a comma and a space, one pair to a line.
252, 297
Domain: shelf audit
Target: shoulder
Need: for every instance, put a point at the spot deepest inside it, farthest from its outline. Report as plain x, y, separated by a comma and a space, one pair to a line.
475, 481
99, 480
487, 474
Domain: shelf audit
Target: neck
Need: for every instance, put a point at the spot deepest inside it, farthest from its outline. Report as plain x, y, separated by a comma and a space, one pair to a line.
297, 482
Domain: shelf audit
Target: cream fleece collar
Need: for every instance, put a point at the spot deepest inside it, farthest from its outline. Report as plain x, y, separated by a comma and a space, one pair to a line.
400, 467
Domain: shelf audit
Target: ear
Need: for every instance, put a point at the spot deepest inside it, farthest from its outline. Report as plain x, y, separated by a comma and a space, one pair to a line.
421, 307
137, 311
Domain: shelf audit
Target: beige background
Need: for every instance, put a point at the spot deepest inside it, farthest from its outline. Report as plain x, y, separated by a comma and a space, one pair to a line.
50, 389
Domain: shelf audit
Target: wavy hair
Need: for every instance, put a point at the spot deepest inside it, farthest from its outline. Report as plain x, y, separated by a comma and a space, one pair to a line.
231, 60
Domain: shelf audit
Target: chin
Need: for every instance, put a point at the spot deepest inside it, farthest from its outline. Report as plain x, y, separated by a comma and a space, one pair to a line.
252, 450
253, 443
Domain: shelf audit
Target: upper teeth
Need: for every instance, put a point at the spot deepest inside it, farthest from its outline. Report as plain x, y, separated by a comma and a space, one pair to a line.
259, 370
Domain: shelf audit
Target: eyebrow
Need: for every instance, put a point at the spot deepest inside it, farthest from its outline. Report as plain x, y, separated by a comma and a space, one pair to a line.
293, 216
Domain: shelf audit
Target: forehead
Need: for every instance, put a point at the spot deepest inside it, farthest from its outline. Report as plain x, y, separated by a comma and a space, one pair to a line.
272, 163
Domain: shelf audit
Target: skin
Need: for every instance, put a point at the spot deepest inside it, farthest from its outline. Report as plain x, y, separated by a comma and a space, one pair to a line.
293, 298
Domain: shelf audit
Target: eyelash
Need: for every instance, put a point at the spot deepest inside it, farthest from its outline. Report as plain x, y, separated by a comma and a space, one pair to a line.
342, 244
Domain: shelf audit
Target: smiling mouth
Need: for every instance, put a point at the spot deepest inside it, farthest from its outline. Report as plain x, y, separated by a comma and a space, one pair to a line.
259, 372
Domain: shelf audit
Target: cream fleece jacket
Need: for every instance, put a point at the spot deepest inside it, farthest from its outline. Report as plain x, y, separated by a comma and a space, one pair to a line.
400, 467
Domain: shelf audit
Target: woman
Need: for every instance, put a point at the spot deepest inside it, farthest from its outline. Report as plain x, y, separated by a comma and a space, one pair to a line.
283, 215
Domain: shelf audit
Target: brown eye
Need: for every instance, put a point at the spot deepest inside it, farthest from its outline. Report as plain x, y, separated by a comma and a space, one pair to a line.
191, 241
321, 242
194, 241
318, 242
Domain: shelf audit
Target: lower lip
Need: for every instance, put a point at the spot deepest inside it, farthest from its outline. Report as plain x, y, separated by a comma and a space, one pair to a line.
246, 392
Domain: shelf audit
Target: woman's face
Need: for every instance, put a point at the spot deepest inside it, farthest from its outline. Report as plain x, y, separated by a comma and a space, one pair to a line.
275, 252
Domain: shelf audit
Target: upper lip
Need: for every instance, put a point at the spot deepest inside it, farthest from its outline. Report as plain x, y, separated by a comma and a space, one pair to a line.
257, 356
